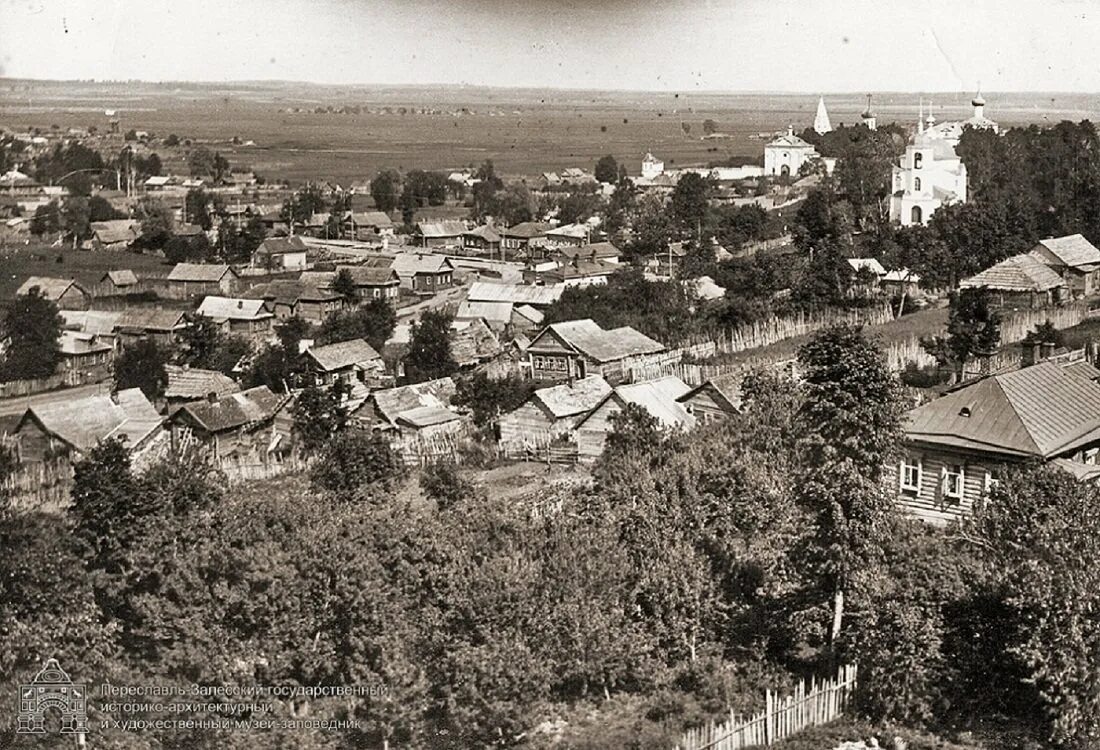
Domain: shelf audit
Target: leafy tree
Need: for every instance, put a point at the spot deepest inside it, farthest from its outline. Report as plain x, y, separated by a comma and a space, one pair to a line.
47, 219
141, 365
386, 190
199, 207
237, 245
429, 356
100, 209
688, 204
318, 415
443, 484
607, 169
354, 460
424, 188
973, 330
709, 127
76, 219
183, 249
344, 284
850, 422
488, 398
157, 222
172, 140
108, 507
373, 321
34, 334
300, 207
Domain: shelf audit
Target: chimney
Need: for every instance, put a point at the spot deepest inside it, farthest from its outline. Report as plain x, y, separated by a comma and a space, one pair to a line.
1048, 349
1030, 353
212, 397
240, 304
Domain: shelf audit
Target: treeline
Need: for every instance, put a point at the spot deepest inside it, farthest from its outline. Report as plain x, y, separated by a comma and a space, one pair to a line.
696, 571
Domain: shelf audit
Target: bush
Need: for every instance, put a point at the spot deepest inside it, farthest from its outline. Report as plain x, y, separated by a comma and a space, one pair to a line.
354, 460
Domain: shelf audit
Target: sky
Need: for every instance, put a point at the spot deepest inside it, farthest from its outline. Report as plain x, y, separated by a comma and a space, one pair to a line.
653, 45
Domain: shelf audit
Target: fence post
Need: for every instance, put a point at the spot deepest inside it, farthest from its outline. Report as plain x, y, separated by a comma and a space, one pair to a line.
767, 716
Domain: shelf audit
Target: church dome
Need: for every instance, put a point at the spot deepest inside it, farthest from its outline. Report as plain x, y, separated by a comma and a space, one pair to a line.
978, 101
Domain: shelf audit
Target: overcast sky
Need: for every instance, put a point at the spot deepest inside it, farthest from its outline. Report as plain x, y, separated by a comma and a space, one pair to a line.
727, 45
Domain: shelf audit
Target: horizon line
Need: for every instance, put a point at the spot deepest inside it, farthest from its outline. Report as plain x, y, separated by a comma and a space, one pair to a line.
528, 87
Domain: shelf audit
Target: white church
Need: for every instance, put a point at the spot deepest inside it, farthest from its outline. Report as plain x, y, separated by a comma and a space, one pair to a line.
931, 174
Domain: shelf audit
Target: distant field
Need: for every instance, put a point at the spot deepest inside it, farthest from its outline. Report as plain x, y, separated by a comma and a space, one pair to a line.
87, 267
522, 131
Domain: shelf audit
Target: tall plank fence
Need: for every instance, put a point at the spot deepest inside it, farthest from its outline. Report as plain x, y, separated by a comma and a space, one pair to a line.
776, 329
812, 704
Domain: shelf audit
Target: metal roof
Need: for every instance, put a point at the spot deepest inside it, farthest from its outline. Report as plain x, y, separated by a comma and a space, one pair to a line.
441, 229
426, 416
1020, 273
392, 402
539, 296
233, 309
83, 422
410, 264
493, 312
657, 397
1040, 410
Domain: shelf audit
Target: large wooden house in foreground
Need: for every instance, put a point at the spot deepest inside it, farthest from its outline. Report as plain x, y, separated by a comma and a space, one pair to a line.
957, 446
579, 348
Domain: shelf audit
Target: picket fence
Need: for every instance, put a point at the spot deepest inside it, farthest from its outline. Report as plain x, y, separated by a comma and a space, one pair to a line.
39, 486
773, 330
812, 704
237, 473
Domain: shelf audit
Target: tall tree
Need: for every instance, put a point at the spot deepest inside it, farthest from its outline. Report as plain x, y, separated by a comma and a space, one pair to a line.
141, 365
973, 330
34, 335
386, 189
850, 422
607, 169
429, 356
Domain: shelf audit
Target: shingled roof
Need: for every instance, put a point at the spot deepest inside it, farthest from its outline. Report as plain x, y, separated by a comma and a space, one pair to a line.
392, 402
588, 338
210, 273
228, 308
440, 229
50, 288
1020, 273
195, 383
242, 409
472, 342
83, 422
342, 354
1073, 250
1042, 410
571, 399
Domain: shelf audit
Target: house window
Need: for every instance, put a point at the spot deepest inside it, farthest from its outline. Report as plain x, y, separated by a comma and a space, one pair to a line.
953, 481
910, 475
991, 481
918, 157
1090, 456
916, 184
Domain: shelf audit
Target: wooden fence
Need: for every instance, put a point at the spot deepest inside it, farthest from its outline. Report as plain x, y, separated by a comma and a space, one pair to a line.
776, 329
237, 473
64, 379
812, 704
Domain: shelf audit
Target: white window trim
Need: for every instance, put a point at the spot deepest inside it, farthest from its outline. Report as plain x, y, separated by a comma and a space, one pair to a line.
920, 474
962, 483
989, 483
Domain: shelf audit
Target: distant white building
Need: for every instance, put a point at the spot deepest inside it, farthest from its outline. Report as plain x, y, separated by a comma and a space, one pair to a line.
821, 120
652, 167
785, 155
931, 174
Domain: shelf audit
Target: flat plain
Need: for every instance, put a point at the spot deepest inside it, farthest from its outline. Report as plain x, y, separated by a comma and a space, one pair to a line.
523, 131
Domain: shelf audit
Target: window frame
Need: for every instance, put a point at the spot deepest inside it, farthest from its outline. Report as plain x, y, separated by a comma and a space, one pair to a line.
946, 478
910, 462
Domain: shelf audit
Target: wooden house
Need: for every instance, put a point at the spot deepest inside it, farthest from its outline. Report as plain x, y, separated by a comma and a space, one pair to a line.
1020, 282
576, 272
483, 240
67, 294
90, 355
659, 398
187, 384
67, 426
116, 234
193, 280
424, 273
287, 298
347, 362
473, 343
239, 317
552, 412
579, 348
408, 408
280, 254
1075, 259
374, 282
249, 426
446, 233
163, 326
368, 224
539, 297
122, 281
602, 251
717, 399
568, 235
518, 238
956, 446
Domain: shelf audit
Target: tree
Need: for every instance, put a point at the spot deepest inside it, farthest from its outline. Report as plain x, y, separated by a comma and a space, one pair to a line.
343, 283
354, 460
34, 334
108, 507
204, 346
197, 205
607, 169
319, 414
300, 207
429, 356
76, 219
488, 398
444, 484
172, 140
373, 321
100, 209
141, 365
709, 127
47, 219
850, 422
688, 205
184, 249
973, 330
386, 189
157, 222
